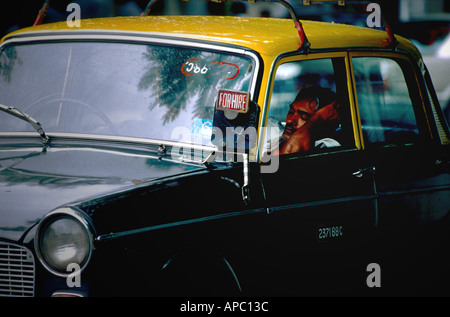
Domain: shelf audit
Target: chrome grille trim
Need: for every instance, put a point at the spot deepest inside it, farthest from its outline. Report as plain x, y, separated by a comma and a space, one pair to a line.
17, 271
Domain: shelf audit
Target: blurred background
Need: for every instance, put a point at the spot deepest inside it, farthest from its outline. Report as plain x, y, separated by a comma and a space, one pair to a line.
425, 22
22, 13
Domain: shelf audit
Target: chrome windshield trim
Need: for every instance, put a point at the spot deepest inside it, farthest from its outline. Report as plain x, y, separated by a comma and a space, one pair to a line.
126, 35
111, 138
175, 146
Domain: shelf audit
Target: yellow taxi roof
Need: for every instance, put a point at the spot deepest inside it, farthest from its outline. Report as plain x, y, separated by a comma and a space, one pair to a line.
268, 36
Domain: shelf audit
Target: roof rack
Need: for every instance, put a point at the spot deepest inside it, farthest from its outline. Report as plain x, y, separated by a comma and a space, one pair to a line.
391, 41
148, 7
42, 13
304, 43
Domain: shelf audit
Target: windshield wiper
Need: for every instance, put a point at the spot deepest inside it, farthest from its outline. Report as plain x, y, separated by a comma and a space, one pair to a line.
19, 114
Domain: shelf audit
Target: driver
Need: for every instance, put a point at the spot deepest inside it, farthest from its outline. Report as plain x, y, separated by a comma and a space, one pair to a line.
312, 118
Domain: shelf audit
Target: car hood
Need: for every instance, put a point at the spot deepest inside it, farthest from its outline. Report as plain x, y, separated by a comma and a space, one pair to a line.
34, 182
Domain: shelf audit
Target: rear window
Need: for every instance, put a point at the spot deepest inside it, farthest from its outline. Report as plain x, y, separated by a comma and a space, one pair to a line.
384, 100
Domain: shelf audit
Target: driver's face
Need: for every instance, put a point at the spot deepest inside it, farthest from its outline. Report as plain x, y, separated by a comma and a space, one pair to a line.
300, 111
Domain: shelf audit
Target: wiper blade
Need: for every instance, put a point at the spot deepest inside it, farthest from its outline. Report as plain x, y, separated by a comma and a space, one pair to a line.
19, 114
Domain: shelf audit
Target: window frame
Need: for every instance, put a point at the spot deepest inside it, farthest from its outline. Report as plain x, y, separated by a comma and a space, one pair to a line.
350, 97
412, 79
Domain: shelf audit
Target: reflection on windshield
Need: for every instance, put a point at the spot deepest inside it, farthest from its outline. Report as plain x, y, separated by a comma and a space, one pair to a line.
118, 89
8, 59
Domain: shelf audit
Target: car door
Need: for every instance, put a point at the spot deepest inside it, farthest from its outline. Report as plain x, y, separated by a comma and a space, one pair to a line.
321, 205
412, 179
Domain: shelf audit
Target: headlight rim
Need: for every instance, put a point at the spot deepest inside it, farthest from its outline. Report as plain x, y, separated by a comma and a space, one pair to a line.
65, 212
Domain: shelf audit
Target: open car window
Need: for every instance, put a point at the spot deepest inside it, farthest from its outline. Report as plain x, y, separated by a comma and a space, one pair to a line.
321, 79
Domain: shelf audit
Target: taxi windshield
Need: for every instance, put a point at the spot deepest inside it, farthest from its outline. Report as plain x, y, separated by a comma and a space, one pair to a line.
138, 90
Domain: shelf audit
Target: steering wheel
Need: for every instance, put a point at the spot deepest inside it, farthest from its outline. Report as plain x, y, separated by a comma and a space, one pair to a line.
76, 121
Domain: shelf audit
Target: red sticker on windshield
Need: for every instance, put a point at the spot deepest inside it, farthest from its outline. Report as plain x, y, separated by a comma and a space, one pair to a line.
233, 100
230, 64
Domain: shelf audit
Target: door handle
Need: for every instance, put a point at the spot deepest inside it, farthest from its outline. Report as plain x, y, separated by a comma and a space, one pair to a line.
360, 173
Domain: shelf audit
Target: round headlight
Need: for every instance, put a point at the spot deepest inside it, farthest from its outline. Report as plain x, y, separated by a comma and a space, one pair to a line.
64, 237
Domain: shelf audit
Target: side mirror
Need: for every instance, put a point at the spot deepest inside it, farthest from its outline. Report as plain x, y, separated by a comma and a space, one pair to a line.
235, 123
